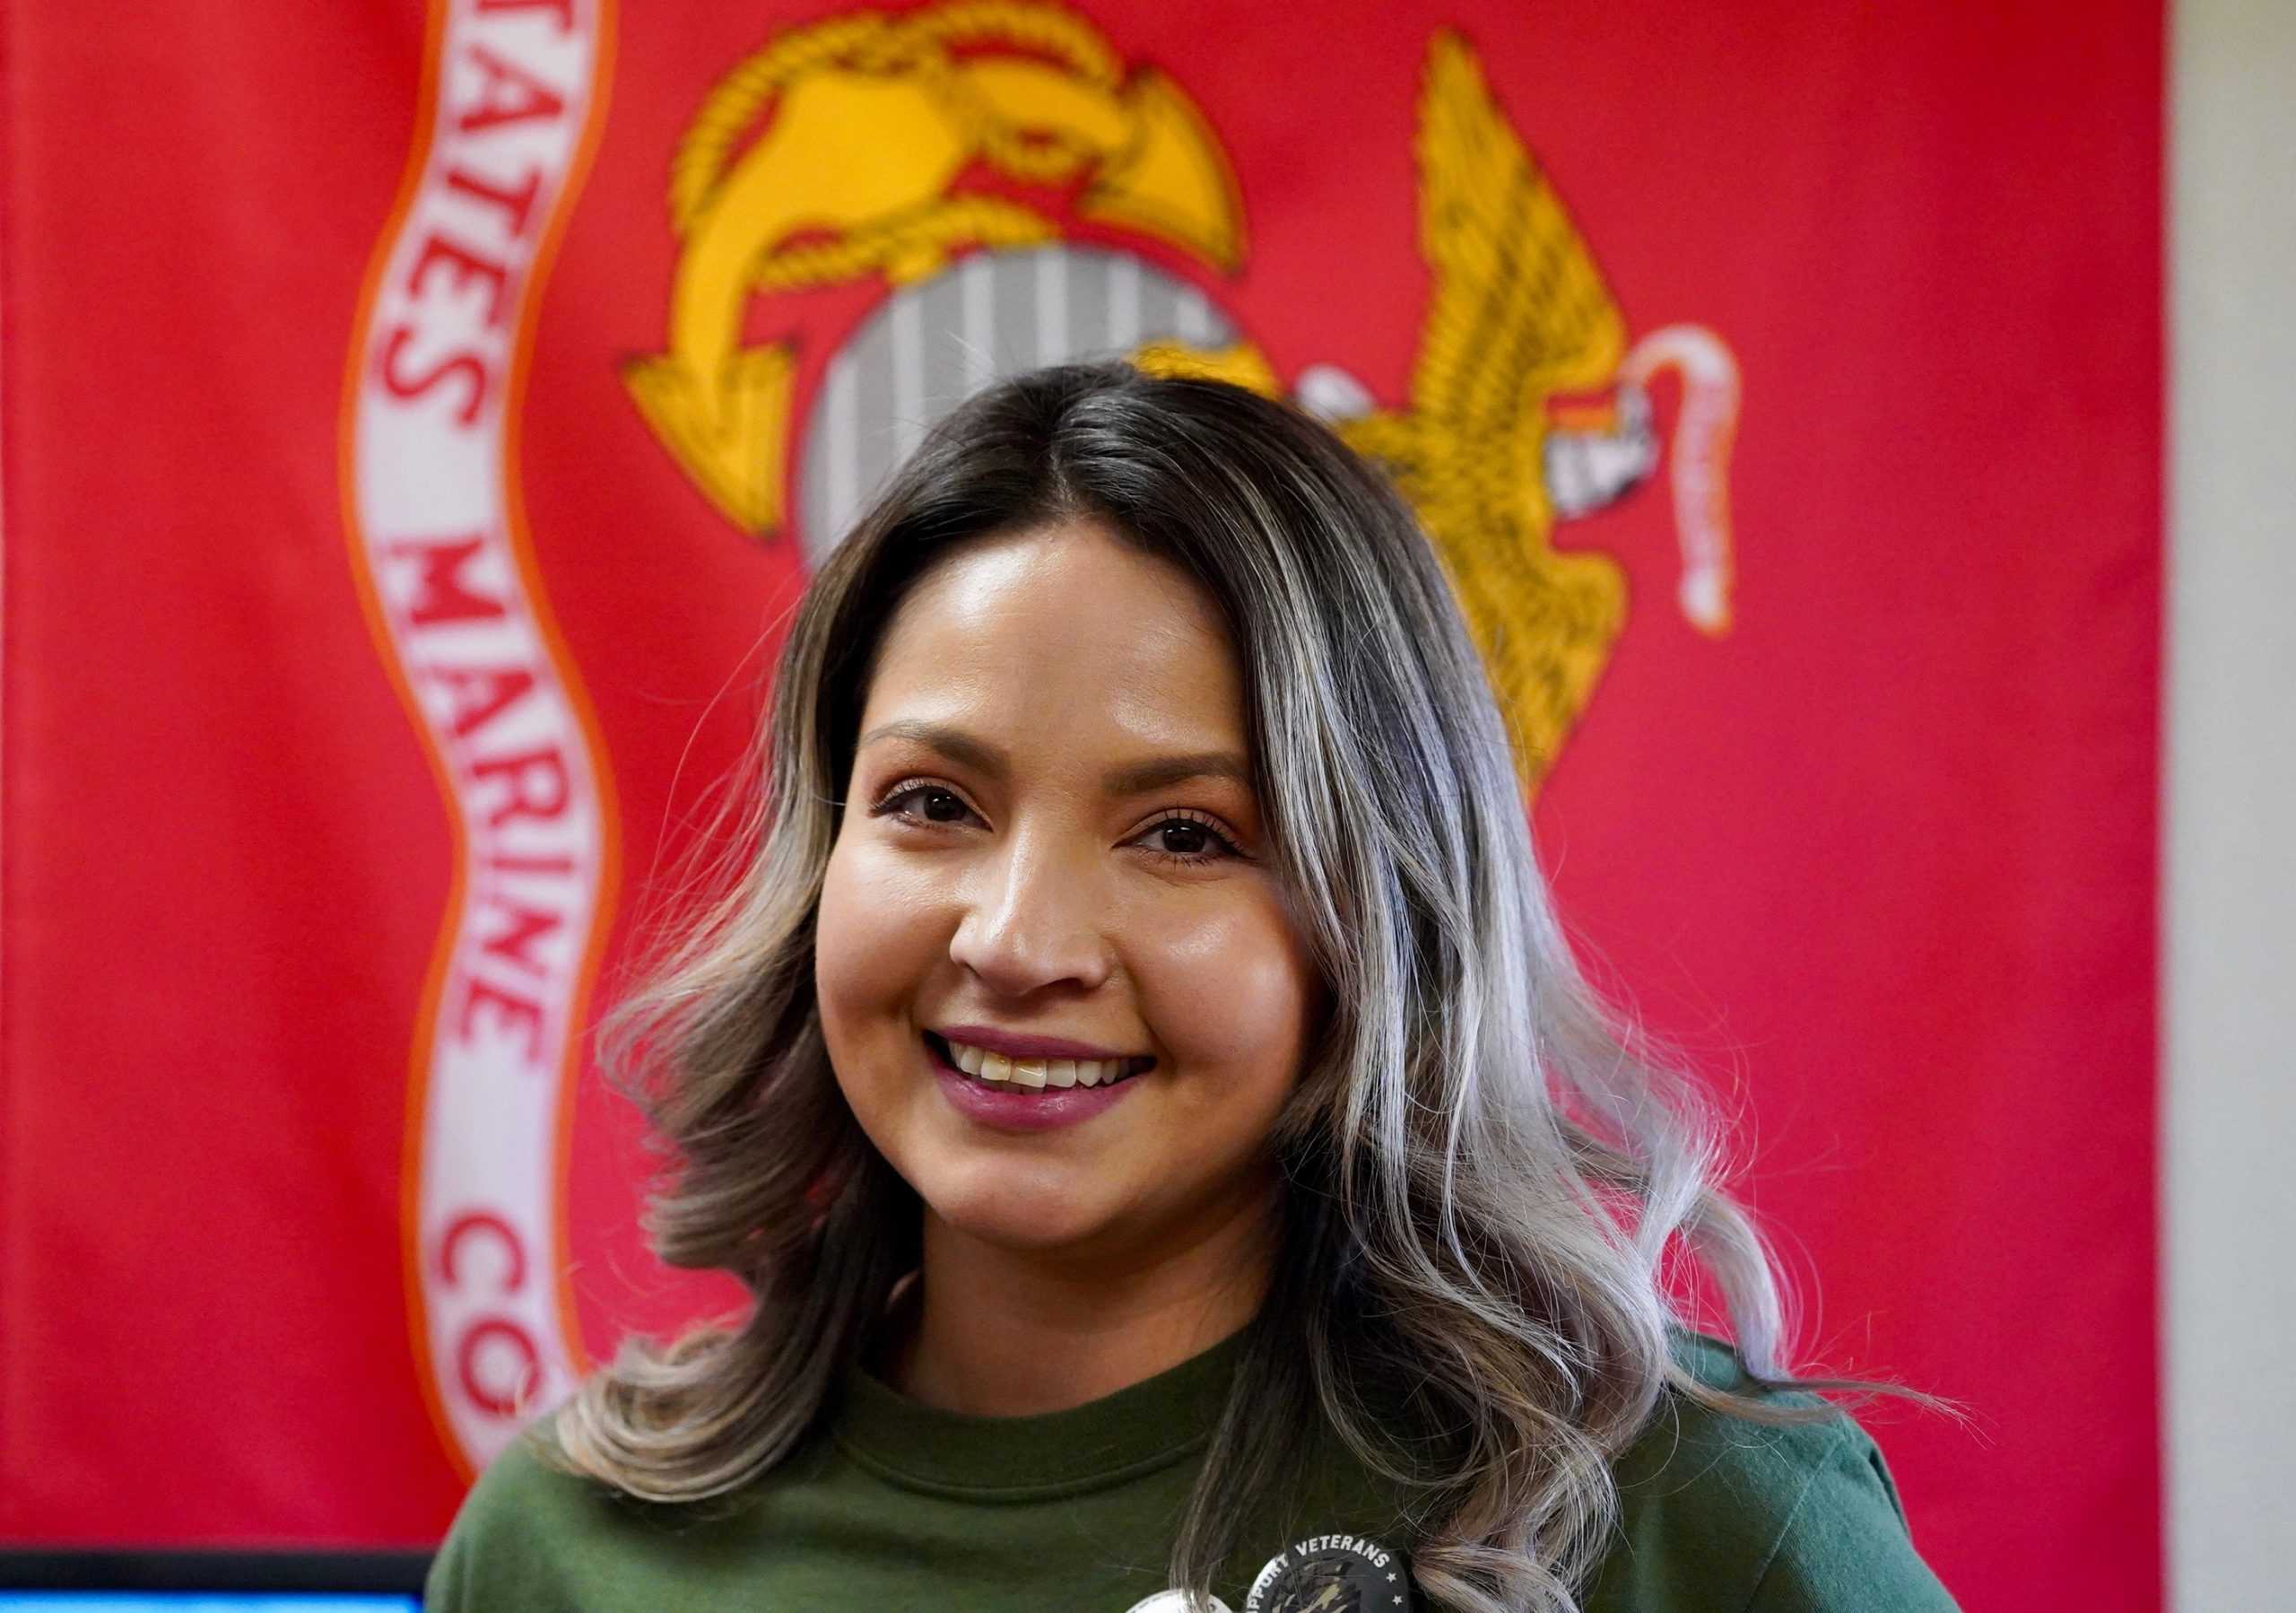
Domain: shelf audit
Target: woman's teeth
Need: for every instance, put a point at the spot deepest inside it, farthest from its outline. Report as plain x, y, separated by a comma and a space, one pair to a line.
1037, 1072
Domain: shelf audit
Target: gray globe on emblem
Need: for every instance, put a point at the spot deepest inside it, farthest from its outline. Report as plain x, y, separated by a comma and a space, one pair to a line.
932, 344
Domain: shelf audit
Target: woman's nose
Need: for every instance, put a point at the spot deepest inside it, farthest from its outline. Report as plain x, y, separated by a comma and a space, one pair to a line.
1032, 919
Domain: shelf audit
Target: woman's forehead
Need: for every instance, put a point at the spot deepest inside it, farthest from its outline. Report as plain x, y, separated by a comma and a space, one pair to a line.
1061, 633
1073, 575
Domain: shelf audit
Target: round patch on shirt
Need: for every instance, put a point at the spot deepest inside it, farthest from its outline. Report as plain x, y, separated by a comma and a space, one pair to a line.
1333, 1574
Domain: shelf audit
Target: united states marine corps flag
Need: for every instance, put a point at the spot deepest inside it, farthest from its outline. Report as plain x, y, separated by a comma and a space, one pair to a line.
418, 425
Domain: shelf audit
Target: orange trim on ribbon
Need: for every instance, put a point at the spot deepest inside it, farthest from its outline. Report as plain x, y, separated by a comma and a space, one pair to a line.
521, 540
436, 17
410, 186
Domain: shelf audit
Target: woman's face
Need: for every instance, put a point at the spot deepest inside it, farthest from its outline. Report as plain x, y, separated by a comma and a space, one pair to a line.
1050, 832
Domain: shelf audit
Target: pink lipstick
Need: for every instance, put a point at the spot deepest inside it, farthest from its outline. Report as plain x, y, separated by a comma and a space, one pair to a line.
1002, 1106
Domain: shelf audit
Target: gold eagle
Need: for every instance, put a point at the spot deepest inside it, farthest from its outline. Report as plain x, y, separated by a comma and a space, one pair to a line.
1519, 313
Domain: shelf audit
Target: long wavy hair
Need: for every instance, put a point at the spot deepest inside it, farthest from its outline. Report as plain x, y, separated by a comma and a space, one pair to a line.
1491, 1185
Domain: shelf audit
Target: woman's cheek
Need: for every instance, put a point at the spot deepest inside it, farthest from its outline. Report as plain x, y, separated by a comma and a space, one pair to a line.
866, 939
1231, 992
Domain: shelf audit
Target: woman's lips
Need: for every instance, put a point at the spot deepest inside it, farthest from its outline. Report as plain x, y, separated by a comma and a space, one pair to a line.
1047, 1064
1008, 1106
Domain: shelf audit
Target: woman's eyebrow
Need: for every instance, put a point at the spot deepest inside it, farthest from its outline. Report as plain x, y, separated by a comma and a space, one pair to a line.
1131, 779
1141, 776
952, 742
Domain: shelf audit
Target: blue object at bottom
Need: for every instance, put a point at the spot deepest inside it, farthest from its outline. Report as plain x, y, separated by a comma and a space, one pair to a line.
196, 1601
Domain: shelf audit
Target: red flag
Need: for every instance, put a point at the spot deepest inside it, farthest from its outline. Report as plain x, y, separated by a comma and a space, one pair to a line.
416, 427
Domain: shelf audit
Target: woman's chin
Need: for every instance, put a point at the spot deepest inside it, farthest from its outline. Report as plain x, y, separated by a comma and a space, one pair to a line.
1025, 1219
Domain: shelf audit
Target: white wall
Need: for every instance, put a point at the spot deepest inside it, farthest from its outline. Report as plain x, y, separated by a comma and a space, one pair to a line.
2229, 917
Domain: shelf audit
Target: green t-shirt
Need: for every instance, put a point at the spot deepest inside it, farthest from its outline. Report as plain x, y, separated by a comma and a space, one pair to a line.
899, 1507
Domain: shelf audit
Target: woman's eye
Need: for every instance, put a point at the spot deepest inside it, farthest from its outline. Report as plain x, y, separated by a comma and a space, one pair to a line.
925, 803
1183, 840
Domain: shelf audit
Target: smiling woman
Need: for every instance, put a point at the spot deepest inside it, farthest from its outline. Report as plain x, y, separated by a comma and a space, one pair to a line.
1143, 1082
1050, 831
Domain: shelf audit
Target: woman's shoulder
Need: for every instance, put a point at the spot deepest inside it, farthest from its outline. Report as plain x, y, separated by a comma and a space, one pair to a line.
531, 1481
1721, 1511
535, 1533
511, 1527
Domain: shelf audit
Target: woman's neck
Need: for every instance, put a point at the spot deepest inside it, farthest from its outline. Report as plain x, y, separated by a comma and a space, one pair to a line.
1009, 1332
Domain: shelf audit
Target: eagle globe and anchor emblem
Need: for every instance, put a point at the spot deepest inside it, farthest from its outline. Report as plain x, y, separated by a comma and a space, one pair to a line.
938, 153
